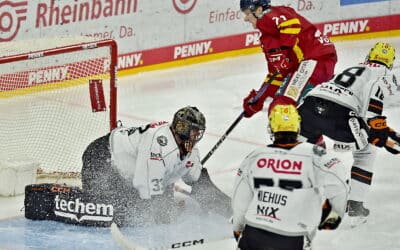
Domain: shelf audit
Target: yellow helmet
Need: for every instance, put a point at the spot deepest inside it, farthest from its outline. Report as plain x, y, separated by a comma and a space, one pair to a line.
382, 53
284, 118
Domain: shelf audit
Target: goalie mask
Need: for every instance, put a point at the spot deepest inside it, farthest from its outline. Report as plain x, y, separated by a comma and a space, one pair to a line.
188, 125
382, 53
284, 118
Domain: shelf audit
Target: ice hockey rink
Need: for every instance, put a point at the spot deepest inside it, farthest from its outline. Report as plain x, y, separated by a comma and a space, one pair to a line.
217, 89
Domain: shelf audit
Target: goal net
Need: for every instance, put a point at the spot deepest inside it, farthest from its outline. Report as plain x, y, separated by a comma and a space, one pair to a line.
56, 96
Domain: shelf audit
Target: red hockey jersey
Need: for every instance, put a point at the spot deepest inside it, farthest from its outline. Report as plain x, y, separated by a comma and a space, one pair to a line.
283, 26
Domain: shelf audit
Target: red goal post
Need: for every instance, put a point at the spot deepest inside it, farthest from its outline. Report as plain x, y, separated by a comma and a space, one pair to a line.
56, 96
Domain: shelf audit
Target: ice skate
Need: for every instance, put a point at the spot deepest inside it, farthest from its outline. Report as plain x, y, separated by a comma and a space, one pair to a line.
357, 213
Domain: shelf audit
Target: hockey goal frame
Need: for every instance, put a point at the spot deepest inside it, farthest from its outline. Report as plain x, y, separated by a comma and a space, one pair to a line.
112, 44
77, 46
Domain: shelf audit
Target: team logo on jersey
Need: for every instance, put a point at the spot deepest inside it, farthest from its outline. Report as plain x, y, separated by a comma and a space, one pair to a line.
162, 140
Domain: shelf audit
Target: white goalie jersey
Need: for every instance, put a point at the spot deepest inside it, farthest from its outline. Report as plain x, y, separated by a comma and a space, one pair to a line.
149, 158
361, 88
282, 190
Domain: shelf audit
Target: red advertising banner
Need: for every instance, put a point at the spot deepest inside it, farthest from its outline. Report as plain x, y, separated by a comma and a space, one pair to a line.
360, 25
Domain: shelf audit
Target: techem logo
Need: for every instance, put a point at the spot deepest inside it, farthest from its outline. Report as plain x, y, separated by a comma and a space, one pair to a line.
184, 6
11, 16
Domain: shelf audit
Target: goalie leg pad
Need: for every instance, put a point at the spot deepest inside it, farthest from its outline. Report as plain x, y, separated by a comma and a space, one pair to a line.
39, 202
66, 204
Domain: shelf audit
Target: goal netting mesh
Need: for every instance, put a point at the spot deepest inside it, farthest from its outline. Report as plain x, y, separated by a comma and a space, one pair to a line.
56, 96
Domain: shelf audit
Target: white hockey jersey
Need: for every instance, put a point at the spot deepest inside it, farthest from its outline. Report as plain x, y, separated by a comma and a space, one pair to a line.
361, 88
149, 158
282, 190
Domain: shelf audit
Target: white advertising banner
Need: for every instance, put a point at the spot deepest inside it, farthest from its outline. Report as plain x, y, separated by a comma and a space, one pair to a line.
151, 32
135, 24
315, 11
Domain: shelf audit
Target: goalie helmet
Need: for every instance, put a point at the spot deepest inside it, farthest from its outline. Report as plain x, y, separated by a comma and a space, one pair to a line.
189, 124
383, 53
252, 4
284, 118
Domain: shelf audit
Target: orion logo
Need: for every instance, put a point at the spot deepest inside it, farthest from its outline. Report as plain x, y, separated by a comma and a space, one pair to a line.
184, 6
11, 16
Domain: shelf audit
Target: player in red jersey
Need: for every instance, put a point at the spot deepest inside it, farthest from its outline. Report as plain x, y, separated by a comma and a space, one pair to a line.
299, 57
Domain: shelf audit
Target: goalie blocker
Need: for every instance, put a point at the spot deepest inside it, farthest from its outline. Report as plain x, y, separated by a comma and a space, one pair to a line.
67, 204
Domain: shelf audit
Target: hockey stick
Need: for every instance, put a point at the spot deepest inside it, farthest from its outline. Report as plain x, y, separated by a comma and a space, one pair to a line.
294, 88
127, 244
260, 92
121, 240
204, 191
223, 137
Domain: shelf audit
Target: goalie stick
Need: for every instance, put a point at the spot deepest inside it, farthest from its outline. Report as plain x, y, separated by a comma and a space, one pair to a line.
126, 244
121, 240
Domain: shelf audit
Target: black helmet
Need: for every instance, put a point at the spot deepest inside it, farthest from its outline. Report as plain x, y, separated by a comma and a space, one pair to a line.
252, 4
189, 119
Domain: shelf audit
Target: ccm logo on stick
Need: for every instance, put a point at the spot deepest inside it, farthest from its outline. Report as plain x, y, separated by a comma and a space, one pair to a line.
187, 243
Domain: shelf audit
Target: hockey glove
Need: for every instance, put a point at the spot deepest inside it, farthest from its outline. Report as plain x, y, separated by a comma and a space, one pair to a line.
251, 106
394, 135
331, 223
329, 219
279, 60
237, 235
396, 138
270, 86
378, 132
